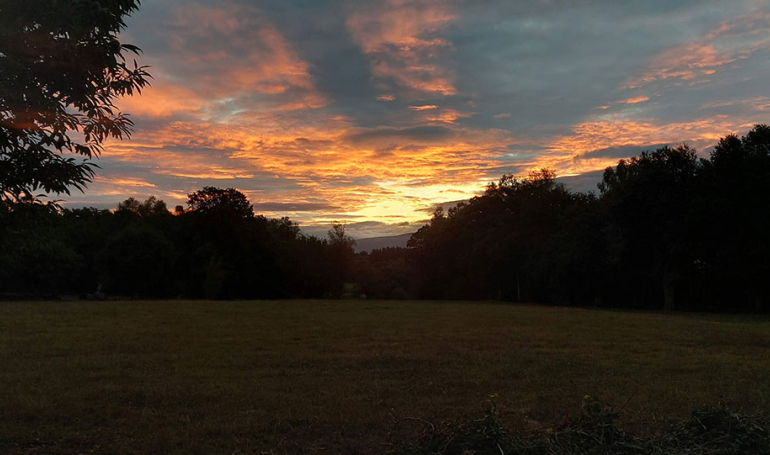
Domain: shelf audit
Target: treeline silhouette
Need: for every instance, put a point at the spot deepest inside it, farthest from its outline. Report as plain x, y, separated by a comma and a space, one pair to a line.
216, 248
666, 230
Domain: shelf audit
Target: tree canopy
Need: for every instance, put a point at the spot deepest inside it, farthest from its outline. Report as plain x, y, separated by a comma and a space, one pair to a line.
220, 203
62, 68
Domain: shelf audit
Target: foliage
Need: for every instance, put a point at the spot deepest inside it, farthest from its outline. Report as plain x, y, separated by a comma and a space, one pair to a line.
385, 273
33, 258
150, 207
216, 203
646, 201
734, 250
339, 237
61, 69
136, 261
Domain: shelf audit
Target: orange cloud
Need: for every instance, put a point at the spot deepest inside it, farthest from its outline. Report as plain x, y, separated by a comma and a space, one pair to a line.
757, 104
692, 62
565, 153
635, 100
357, 170
189, 164
399, 38
446, 116
124, 181
161, 100
255, 58
761, 104
423, 107
687, 63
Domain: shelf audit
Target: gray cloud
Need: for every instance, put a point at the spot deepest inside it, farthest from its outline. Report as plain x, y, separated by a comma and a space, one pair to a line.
388, 135
293, 207
367, 229
619, 152
584, 183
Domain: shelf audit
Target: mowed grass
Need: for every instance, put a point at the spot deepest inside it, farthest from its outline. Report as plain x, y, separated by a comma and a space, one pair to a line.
335, 376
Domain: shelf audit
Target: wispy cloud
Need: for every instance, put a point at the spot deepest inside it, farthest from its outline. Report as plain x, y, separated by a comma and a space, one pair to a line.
696, 61
400, 39
124, 181
446, 116
635, 100
163, 99
423, 107
591, 137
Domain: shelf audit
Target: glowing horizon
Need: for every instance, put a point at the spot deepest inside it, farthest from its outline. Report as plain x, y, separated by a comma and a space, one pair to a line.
375, 112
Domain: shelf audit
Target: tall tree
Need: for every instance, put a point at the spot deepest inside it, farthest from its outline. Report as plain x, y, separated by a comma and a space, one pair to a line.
220, 203
61, 69
734, 208
648, 199
340, 256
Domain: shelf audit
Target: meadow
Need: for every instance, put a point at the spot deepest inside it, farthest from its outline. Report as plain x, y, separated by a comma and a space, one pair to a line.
342, 376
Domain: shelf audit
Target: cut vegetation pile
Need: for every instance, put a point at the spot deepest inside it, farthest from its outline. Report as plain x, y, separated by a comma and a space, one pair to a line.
709, 431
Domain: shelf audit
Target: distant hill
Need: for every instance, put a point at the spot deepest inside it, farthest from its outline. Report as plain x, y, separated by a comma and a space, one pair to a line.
374, 243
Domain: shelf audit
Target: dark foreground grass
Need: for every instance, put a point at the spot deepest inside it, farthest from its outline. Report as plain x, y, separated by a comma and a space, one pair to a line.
311, 376
709, 431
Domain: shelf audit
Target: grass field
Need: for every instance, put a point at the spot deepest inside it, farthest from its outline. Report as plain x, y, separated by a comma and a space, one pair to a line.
291, 376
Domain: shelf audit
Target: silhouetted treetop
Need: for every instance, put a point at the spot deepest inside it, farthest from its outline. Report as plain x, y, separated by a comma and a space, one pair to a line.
665, 166
61, 69
339, 237
152, 206
222, 203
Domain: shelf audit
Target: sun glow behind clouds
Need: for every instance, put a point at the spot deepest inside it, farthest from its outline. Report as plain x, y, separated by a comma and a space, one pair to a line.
374, 112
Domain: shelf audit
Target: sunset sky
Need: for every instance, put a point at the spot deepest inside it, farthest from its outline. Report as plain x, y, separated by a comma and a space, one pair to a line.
373, 112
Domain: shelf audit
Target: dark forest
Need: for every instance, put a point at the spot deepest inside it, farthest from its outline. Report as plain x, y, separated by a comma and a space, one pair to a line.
666, 230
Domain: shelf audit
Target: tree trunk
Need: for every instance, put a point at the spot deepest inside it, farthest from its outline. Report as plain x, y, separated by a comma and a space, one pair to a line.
668, 296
